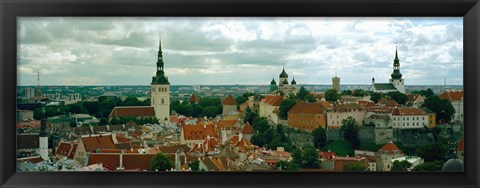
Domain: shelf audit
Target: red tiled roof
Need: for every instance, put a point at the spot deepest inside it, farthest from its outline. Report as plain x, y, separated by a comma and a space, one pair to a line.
35, 159
412, 97
248, 129
126, 111
229, 100
378, 109
242, 143
226, 123
348, 107
28, 124
98, 142
365, 103
326, 104
452, 95
198, 132
131, 161
272, 100
109, 160
194, 98
327, 155
408, 112
390, 148
307, 108
388, 102
460, 145
64, 148
172, 149
72, 153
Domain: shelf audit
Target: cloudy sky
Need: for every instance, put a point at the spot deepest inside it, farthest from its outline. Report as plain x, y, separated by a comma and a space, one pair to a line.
123, 51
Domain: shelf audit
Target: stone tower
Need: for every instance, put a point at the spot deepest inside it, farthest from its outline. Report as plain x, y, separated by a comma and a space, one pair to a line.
160, 90
397, 79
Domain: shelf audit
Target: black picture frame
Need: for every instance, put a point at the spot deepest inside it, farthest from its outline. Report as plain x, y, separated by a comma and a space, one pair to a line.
11, 9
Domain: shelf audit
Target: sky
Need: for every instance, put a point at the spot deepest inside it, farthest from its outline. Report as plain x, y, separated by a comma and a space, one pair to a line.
244, 51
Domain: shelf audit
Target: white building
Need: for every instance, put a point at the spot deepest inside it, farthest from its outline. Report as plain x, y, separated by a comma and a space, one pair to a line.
160, 90
269, 107
456, 99
409, 118
414, 160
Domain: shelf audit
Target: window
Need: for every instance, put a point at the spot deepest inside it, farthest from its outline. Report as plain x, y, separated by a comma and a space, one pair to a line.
163, 101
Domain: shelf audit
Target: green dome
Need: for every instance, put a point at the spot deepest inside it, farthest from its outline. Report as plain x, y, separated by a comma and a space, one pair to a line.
283, 74
273, 82
285, 82
396, 74
293, 81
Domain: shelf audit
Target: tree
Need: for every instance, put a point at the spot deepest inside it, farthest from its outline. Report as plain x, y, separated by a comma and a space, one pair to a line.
302, 93
432, 152
92, 107
319, 137
399, 97
429, 166
359, 93
161, 162
346, 92
249, 116
73, 123
77, 108
285, 106
349, 132
195, 165
132, 101
290, 166
399, 166
375, 97
354, 167
210, 111
442, 108
332, 95
308, 158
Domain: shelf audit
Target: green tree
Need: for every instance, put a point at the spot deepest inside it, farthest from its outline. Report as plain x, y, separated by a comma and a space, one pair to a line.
399, 97
261, 125
195, 165
349, 131
302, 93
319, 137
285, 106
308, 158
346, 92
103, 121
399, 166
354, 167
161, 162
131, 101
73, 123
429, 166
210, 111
249, 116
432, 152
92, 107
332, 95
375, 97
287, 166
77, 108
359, 93
442, 108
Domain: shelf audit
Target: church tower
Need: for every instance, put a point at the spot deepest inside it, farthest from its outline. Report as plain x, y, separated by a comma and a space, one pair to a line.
397, 79
43, 137
160, 89
273, 86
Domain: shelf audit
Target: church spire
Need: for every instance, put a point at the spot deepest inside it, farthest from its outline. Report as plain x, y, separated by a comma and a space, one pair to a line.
396, 66
160, 77
396, 55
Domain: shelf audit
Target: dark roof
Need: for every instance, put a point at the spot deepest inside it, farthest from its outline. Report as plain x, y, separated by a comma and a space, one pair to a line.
98, 129
116, 128
453, 165
384, 86
129, 111
126, 146
98, 142
27, 141
82, 130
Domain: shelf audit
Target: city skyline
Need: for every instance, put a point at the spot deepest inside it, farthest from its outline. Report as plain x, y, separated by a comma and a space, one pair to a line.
244, 51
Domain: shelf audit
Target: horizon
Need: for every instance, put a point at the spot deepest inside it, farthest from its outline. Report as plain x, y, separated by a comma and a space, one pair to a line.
247, 51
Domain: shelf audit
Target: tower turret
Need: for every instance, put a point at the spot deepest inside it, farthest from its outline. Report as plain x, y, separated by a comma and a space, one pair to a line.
396, 67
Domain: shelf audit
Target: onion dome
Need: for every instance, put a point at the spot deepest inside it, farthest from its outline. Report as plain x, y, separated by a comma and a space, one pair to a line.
273, 82
293, 81
285, 82
283, 74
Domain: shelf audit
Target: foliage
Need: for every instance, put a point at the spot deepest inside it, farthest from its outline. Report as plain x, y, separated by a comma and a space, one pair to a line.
429, 166
442, 108
370, 146
375, 97
432, 152
346, 92
73, 123
243, 98
399, 166
308, 158
138, 121
341, 147
194, 165
332, 95
399, 97
249, 116
349, 131
319, 137
287, 166
426, 93
270, 137
359, 93
161, 162
285, 106
207, 106
354, 167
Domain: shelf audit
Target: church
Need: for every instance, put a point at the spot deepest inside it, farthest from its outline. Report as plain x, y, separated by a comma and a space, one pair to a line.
396, 82
283, 85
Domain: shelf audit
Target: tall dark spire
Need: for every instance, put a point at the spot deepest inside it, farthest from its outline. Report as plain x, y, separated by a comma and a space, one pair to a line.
396, 66
160, 77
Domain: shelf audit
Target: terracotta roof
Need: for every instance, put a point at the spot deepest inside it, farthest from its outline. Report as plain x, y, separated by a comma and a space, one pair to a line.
390, 148
137, 161
452, 95
408, 112
348, 107
226, 123
64, 148
131, 161
126, 111
92, 143
213, 164
366, 103
173, 149
241, 142
35, 159
460, 145
307, 108
229, 100
412, 97
27, 141
272, 100
109, 160
248, 129
388, 102
194, 98
378, 109
326, 104
28, 124
72, 153
198, 132
327, 155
